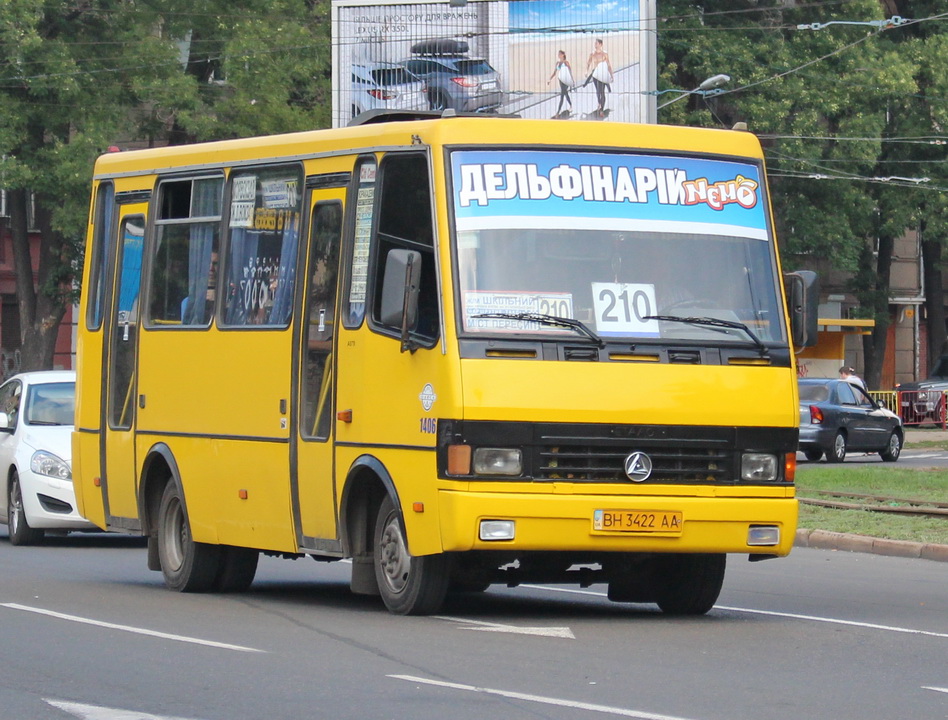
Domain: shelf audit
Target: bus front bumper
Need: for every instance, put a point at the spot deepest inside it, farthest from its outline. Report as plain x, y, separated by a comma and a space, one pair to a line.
755, 525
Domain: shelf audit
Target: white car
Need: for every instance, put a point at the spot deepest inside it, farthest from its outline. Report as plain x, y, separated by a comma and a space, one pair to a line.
36, 422
386, 86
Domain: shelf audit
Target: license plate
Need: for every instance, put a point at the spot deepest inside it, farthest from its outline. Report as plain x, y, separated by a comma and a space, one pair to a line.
658, 521
490, 85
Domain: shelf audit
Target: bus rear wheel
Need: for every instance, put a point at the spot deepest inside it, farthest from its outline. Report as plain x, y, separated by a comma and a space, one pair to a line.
409, 585
237, 569
690, 584
187, 566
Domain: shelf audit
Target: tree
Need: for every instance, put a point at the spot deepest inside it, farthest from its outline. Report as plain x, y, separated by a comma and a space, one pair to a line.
831, 101
79, 77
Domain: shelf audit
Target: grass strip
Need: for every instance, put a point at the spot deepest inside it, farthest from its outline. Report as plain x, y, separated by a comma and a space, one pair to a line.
917, 485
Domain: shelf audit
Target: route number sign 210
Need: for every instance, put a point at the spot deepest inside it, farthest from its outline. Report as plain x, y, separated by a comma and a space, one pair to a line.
621, 308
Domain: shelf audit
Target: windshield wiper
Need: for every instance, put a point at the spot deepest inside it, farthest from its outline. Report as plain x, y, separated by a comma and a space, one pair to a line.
544, 319
714, 322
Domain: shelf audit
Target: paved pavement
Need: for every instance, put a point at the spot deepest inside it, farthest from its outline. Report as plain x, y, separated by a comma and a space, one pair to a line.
827, 540
919, 435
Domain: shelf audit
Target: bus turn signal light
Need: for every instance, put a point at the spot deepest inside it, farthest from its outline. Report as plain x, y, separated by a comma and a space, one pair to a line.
790, 467
459, 459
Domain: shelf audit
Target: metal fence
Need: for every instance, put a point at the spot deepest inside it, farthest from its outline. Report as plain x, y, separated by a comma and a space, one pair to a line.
916, 407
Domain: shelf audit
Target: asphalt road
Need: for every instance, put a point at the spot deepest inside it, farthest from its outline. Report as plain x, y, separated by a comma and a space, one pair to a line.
86, 631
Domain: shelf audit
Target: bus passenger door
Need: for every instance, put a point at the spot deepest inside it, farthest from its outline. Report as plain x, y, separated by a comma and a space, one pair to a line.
119, 470
313, 487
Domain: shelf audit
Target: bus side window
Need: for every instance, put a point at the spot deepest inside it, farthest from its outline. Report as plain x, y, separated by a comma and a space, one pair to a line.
262, 238
405, 222
326, 232
101, 234
126, 323
184, 258
362, 205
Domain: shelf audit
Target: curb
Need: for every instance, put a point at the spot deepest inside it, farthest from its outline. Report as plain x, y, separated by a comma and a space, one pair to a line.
826, 540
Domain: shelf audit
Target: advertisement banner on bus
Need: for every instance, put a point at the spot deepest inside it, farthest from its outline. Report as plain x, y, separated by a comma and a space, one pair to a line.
607, 191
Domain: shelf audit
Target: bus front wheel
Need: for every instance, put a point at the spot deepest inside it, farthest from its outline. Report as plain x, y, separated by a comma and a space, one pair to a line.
690, 584
187, 566
408, 585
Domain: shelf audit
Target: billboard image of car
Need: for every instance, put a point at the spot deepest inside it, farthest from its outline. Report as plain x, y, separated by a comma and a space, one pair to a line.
575, 59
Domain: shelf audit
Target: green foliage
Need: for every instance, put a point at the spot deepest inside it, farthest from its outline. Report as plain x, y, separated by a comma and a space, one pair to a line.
833, 103
77, 78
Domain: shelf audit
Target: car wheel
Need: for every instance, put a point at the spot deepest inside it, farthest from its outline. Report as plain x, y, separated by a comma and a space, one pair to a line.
813, 455
690, 584
187, 566
838, 452
20, 531
408, 585
893, 449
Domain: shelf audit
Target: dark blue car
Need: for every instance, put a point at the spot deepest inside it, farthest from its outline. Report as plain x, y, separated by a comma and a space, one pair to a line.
837, 416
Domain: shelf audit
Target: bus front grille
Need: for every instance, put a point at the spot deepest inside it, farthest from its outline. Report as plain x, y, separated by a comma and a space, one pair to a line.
598, 463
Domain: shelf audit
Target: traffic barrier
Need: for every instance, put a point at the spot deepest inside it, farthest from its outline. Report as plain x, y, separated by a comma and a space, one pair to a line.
887, 398
922, 407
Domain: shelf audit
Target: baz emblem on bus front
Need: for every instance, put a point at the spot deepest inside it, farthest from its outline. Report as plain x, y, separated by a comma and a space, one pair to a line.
638, 467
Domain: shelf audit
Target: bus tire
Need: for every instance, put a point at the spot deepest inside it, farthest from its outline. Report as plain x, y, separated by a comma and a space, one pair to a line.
187, 566
238, 566
408, 585
19, 528
690, 584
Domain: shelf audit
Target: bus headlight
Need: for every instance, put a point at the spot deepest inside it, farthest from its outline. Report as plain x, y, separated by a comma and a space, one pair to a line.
498, 461
758, 467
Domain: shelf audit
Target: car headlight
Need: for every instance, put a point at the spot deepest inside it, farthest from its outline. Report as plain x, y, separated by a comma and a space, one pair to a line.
45, 463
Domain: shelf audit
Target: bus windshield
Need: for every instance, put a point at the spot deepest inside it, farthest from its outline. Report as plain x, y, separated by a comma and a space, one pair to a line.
631, 246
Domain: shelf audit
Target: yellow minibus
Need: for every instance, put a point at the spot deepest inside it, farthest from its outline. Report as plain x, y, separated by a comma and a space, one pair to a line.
455, 351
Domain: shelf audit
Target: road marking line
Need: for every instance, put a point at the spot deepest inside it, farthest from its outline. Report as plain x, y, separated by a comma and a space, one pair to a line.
794, 616
129, 628
836, 621
936, 689
480, 625
96, 712
623, 712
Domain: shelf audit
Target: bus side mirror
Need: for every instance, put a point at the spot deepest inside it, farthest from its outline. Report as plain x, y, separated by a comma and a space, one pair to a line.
400, 286
803, 297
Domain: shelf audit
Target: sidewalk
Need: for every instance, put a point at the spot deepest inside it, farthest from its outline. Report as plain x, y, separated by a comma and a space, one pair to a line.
826, 540
915, 435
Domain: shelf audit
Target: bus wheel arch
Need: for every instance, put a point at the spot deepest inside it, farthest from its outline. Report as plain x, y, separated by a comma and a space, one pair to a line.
367, 484
187, 566
158, 470
373, 534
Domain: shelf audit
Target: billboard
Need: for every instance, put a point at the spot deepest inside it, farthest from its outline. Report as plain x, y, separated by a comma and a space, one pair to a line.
566, 59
